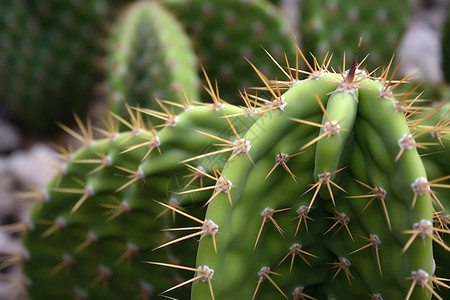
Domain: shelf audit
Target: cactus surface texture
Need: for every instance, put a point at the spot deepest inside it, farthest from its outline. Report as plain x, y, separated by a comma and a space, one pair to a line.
320, 186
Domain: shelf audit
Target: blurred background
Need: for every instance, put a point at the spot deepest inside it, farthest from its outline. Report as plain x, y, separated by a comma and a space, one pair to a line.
59, 59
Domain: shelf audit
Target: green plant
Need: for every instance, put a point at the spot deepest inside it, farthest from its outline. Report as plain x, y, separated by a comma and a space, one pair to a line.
353, 212
322, 184
149, 56
98, 218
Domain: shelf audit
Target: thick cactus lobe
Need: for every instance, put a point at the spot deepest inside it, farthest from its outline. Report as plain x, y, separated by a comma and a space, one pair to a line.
359, 193
99, 219
150, 56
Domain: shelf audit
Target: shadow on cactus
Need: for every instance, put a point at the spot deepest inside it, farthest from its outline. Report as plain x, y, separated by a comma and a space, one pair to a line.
335, 188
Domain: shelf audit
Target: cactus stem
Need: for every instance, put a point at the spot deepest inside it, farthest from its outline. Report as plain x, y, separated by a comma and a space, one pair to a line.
421, 186
424, 229
299, 294
375, 193
343, 265
324, 178
420, 277
296, 249
375, 242
267, 215
340, 219
264, 273
204, 274
208, 228
302, 212
282, 159
222, 185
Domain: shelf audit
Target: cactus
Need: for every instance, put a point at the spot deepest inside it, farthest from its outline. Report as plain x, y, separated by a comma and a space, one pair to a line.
332, 24
150, 56
49, 58
226, 33
350, 215
113, 183
319, 192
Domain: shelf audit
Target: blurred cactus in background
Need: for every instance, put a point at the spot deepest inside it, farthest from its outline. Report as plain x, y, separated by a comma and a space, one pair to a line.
226, 34
49, 58
149, 55
336, 25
